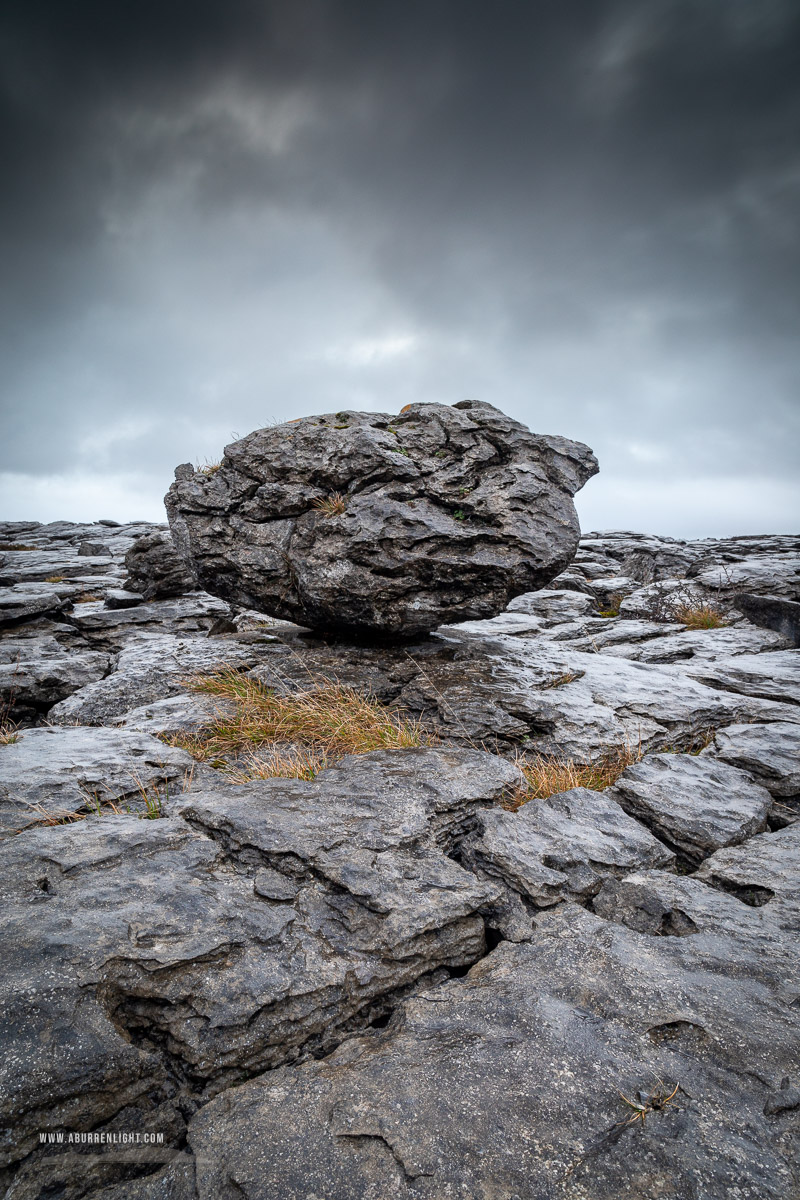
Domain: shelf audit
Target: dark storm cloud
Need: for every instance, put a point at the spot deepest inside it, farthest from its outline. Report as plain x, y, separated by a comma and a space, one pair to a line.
216, 214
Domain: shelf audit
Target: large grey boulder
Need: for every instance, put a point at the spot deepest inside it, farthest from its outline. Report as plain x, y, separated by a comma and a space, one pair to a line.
374, 524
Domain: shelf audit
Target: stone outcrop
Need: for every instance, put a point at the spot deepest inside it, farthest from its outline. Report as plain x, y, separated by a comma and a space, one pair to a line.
151, 666
57, 772
155, 569
175, 958
769, 753
695, 804
562, 847
383, 981
771, 612
373, 524
508, 1082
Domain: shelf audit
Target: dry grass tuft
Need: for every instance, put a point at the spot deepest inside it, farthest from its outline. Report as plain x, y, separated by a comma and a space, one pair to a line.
330, 506
279, 764
43, 817
291, 735
207, 468
54, 579
8, 728
699, 615
547, 776
17, 546
87, 598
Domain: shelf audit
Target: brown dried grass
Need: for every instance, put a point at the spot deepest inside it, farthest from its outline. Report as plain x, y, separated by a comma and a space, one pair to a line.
295, 735
8, 728
699, 615
546, 776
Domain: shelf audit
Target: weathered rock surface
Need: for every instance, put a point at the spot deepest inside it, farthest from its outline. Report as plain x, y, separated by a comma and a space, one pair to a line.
39, 565
505, 1083
540, 693
695, 804
665, 905
562, 847
175, 713
122, 598
150, 965
767, 574
56, 772
156, 946
151, 666
771, 612
775, 676
765, 871
155, 569
770, 753
439, 514
113, 626
693, 648
26, 601
36, 672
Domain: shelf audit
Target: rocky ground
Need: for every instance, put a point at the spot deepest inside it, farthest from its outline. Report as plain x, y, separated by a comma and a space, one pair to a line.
383, 982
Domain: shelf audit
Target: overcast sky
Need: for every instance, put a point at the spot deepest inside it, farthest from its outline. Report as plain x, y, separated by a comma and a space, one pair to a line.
217, 214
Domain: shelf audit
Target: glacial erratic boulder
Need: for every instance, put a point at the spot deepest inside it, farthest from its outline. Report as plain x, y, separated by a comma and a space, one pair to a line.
378, 525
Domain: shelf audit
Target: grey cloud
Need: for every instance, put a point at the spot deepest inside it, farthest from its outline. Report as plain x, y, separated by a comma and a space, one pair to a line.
222, 214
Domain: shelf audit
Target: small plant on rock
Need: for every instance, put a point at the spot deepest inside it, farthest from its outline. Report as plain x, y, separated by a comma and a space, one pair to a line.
684, 606
562, 680
8, 733
612, 608
644, 1104
330, 506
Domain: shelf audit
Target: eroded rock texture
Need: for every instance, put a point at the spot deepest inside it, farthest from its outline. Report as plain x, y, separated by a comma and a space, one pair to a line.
383, 525
171, 958
155, 569
505, 1083
384, 982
